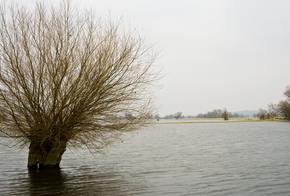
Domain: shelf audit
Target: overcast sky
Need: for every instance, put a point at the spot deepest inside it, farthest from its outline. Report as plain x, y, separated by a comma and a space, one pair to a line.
214, 53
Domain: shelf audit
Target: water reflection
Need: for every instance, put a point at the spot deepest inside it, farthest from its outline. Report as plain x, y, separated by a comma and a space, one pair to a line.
47, 182
75, 181
167, 159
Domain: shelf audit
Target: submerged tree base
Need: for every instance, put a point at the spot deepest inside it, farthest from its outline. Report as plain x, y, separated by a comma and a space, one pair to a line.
44, 156
41, 166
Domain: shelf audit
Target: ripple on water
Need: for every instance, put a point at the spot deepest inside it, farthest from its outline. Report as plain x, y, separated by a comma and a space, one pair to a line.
167, 159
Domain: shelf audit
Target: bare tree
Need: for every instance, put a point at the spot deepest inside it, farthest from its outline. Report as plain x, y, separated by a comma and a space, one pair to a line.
225, 114
262, 114
236, 115
65, 74
272, 112
283, 107
157, 117
177, 115
287, 92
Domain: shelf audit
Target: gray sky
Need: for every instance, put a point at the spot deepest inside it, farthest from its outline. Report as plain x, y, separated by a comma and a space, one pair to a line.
214, 53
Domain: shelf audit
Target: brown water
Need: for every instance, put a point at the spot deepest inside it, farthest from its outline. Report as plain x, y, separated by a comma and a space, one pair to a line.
242, 158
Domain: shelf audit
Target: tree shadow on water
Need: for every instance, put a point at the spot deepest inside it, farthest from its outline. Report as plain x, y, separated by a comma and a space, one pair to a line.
47, 182
77, 181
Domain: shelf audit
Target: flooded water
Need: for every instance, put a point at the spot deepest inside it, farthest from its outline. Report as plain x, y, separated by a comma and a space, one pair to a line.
241, 158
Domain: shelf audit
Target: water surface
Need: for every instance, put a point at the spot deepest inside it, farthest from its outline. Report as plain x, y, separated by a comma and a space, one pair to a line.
241, 158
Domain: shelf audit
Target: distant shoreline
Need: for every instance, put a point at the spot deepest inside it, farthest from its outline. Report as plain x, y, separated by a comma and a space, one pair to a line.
212, 120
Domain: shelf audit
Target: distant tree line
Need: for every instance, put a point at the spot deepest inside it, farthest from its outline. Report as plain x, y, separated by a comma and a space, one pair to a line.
282, 109
176, 115
216, 113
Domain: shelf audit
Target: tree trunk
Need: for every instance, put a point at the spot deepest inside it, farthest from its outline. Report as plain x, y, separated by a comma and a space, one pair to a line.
44, 155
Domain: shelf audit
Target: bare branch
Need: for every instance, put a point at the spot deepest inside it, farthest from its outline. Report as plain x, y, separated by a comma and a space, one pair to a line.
69, 78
